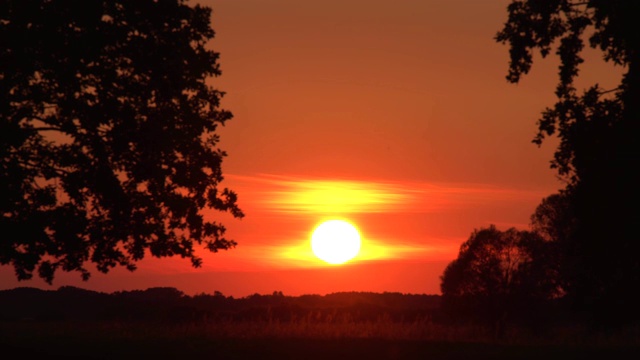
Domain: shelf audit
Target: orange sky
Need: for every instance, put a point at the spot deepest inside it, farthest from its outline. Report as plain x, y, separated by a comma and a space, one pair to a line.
395, 115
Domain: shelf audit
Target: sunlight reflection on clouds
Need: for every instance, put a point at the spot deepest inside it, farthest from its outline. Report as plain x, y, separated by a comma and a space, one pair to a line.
296, 195
286, 207
300, 254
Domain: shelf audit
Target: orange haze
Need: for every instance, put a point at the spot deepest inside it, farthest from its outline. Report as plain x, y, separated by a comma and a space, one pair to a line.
395, 115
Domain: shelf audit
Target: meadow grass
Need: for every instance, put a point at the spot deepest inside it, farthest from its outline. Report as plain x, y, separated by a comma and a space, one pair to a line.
302, 338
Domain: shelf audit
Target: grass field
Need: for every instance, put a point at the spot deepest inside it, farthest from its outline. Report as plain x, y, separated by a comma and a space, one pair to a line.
292, 340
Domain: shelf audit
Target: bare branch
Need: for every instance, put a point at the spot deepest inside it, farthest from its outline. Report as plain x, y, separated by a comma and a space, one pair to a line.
608, 91
51, 128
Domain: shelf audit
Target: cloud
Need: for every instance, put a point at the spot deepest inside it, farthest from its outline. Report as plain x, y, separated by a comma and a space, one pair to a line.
299, 254
298, 195
283, 208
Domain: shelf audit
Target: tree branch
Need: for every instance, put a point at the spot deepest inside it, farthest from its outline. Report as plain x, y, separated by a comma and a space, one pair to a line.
35, 166
51, 128
608, 91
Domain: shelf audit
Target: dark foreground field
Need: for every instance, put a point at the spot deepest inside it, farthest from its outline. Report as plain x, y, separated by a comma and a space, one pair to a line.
269, 341
163, 323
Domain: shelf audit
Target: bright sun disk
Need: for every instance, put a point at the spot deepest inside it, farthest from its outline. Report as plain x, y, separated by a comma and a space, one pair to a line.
335, 241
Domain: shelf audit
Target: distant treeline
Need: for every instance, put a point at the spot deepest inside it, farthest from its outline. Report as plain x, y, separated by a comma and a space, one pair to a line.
166, 304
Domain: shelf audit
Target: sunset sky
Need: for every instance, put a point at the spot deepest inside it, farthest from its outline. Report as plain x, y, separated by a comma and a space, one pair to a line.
393, 115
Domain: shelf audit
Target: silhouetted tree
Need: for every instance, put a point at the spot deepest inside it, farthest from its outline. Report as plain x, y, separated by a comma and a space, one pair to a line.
598, 132
107, 131
497, 274
553, 219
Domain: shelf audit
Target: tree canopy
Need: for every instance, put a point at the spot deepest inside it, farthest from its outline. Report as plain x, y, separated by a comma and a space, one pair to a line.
553, 219
108, 135
598, 130
580, 120
498, 273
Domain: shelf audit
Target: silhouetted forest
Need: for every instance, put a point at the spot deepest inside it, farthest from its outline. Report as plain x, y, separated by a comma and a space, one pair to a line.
169, 305
73, 323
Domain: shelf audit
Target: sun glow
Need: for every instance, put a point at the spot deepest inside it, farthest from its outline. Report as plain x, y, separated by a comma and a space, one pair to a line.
335, 241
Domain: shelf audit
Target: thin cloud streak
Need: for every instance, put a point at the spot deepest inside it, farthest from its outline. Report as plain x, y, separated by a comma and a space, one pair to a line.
300, 254
282, 194
298, 195
295, 253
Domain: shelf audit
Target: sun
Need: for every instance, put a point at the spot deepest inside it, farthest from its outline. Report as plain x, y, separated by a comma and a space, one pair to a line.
335, 241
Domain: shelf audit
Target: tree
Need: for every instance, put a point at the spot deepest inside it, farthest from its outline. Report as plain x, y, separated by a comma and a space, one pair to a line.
553, 219
107, 126
598, 131
497, 275
555, 222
